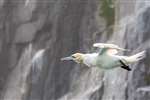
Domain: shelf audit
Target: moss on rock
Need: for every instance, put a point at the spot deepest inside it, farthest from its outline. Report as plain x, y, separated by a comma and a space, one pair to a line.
108, 11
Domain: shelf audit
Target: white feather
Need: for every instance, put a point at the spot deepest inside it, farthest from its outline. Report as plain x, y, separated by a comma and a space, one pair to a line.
136, 57
90, 59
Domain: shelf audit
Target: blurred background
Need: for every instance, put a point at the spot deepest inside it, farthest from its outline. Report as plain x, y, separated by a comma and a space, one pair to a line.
35, 34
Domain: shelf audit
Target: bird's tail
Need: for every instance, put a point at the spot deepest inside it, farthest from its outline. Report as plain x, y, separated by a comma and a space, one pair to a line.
136, 57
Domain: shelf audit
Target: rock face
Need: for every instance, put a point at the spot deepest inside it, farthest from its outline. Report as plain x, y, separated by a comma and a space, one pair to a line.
35, 34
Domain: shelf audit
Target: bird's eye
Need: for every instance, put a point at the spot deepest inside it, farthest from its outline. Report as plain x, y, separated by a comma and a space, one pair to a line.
73, 56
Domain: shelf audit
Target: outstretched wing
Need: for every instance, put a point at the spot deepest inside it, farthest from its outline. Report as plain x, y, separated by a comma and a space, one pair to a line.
110, 49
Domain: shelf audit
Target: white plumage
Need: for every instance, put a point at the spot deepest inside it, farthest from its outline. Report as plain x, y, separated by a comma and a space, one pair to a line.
107, 57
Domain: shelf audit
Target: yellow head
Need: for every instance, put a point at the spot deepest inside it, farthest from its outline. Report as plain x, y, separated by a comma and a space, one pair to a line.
77, 57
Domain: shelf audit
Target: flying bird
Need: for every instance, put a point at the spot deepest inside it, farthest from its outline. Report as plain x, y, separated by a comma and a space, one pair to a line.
106, 57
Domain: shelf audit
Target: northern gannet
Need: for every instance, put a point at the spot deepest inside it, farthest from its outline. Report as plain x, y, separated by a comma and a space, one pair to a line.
106, 58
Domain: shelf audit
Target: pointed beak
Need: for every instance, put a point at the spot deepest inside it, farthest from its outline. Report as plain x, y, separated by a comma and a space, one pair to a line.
67, 58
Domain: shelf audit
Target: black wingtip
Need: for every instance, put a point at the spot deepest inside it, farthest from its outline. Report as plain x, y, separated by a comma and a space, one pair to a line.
124, 66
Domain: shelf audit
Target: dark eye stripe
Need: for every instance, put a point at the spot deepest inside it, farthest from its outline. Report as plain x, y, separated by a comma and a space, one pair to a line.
73, 56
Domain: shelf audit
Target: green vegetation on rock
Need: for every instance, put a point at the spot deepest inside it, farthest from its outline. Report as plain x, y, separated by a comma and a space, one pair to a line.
107, 11
147, 78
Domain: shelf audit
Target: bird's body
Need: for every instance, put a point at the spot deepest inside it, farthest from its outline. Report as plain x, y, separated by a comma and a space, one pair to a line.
102, 61
106, 58
90, 59
107, 61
